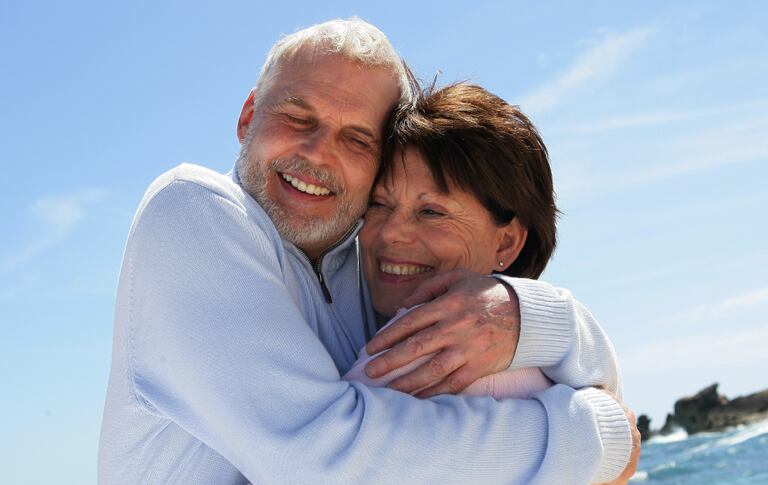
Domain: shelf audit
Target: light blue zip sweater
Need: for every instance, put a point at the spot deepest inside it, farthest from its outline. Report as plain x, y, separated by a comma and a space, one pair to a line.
227, 359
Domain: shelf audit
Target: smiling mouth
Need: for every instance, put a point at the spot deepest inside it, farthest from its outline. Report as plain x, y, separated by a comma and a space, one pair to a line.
302, 186
403, 269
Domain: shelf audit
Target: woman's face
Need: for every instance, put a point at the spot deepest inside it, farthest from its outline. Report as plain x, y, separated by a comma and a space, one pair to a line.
413, 231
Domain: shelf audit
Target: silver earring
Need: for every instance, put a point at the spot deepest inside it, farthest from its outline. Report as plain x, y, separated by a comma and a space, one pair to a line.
501, 264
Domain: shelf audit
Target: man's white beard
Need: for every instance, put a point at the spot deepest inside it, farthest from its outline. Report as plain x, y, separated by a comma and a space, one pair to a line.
302, 230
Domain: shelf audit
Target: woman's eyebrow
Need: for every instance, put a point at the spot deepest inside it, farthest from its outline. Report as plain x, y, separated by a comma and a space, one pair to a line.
438, 198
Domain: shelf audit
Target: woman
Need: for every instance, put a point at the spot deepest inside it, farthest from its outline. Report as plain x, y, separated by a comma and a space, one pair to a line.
465, 183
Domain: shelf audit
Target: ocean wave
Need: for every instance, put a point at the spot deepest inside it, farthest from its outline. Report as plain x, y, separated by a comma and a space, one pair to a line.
734, 456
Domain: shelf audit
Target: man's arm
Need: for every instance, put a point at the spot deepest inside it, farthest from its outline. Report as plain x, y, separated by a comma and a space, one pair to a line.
481, 326
559, 335
217, 345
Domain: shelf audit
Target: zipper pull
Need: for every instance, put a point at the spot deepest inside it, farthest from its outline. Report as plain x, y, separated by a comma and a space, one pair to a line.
326, 291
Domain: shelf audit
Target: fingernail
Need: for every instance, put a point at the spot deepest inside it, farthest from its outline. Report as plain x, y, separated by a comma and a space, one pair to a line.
372, 370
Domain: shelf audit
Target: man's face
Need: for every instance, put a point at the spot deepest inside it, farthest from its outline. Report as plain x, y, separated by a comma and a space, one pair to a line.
313, 147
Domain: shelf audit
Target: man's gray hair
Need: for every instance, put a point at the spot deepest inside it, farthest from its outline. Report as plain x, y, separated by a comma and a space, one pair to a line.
352, 38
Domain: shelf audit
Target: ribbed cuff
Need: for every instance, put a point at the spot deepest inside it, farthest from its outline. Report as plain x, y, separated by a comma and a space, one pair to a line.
545, 323
615, 434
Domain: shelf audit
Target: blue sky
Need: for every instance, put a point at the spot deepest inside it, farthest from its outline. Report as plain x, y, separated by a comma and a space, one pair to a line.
654, 114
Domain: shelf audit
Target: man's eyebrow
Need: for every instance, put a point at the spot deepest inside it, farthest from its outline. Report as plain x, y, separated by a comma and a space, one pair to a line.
295, 101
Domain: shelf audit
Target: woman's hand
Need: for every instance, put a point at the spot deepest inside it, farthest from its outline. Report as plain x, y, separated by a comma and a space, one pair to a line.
472, 322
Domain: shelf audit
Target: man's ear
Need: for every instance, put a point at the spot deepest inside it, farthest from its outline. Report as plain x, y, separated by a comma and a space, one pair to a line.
511, 239
246, 115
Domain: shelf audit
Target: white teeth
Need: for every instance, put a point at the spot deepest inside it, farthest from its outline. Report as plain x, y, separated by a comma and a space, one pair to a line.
403, 269
305, 187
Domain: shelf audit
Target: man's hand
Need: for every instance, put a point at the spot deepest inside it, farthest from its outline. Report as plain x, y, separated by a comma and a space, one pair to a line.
472, 322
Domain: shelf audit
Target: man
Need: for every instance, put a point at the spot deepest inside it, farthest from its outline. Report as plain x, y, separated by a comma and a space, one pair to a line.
239, 306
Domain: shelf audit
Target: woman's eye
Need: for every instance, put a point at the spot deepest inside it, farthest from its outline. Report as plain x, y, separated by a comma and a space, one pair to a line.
431, 213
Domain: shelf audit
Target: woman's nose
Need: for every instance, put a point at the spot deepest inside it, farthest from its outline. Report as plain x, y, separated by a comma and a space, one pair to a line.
398, 228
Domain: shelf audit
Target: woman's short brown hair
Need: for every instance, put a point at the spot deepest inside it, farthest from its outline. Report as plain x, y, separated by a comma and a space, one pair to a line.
486, 147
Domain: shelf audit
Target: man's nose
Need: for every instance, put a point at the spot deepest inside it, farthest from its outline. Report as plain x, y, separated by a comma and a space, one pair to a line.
319, 146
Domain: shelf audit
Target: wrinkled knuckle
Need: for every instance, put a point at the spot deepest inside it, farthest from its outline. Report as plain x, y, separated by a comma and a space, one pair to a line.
406, 321
384, 361
453, 302
413, 344
436, 368
487, 347
428, 335
455, 384
383, 340
474, 314
462, 318
467, 300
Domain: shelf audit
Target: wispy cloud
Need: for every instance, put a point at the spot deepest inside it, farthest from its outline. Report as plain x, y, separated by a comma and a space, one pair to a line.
727, 307
726, 143
21, 284
56, 215
634, 121
599, 61
654, 118
727, 348
61, 213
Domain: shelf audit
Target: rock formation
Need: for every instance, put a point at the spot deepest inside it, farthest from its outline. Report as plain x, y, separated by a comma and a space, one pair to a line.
708, 410
669, 425
644, 426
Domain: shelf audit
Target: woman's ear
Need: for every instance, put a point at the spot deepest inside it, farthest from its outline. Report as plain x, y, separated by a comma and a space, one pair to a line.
511, 239
246, 115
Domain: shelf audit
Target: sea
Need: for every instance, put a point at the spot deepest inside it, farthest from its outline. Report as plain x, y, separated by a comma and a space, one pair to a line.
735, 456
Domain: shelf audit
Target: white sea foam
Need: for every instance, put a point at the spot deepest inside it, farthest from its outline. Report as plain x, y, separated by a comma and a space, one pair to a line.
744, 433
639, 476
678, 434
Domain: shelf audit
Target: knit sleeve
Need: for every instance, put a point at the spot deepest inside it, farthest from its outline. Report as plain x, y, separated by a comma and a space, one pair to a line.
560, 335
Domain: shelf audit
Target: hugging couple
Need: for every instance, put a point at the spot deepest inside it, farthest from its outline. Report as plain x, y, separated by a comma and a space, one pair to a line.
356, 302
